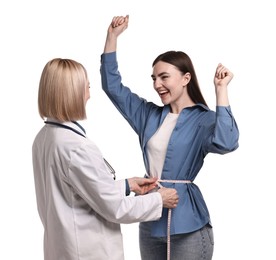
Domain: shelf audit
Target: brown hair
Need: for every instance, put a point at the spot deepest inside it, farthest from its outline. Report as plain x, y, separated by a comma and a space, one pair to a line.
61, 92
184, 64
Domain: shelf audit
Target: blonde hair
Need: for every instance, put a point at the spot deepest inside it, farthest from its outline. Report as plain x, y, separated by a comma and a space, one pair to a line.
61, 92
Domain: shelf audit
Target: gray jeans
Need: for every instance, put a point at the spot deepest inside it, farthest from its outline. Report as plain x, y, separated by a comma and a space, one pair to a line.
196, 245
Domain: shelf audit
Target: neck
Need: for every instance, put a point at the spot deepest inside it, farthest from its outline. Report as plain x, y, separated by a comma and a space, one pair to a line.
176, 108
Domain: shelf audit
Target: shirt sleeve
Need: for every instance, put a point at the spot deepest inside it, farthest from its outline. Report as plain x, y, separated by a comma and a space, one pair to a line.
91, 180
133, 107
224, 134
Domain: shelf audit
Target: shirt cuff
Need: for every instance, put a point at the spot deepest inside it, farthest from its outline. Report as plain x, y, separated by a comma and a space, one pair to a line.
109, 57
224, 110
127, 188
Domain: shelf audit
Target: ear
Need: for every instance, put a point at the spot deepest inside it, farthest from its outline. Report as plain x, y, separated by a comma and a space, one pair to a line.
186, 78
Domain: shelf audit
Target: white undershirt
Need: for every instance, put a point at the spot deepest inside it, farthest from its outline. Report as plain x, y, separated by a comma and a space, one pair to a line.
158, 143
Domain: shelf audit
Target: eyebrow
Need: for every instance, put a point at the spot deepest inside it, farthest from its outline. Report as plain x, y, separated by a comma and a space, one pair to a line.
160, 74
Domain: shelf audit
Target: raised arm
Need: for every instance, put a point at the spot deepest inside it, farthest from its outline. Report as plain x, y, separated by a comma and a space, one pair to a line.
222, 78
116, 27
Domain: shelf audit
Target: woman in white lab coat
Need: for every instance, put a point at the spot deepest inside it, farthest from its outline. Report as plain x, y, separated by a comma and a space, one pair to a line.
79, 203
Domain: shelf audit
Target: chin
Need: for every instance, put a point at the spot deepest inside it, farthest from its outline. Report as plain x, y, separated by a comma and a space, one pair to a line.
165, 102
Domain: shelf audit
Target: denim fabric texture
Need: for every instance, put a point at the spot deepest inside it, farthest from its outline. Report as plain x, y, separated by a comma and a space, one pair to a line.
197, 245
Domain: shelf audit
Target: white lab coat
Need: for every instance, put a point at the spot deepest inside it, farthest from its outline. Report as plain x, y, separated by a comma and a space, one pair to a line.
80, 205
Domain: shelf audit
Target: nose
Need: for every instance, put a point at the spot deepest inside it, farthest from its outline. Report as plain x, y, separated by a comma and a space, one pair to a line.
157, 84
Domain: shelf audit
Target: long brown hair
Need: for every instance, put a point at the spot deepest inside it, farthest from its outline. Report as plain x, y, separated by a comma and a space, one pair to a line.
184, 64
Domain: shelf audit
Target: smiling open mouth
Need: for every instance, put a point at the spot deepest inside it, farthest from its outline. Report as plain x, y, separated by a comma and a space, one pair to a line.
163, 93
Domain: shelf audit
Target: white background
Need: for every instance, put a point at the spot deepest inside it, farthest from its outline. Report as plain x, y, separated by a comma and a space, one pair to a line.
239, 188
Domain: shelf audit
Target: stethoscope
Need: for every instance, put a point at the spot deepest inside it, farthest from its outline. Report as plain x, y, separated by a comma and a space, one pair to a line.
112, 171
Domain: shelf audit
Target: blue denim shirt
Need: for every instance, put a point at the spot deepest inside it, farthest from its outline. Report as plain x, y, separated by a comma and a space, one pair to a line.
198, 131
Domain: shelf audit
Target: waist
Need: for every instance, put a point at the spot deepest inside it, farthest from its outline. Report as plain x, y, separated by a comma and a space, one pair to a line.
173, 181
